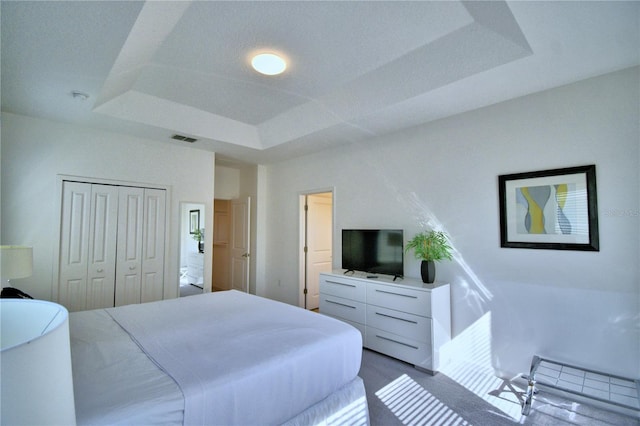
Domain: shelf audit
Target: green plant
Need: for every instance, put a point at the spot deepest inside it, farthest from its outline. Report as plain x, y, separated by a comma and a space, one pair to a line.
432, 245
198, 235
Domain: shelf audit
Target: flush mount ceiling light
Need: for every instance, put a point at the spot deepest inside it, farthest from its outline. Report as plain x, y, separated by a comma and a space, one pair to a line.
268, 64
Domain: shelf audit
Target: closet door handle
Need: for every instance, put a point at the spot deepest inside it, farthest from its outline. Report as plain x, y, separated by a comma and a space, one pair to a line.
132, 267
100, 270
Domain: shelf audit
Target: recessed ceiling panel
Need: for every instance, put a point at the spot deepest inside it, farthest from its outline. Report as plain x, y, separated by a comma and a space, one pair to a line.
356, 69
326, 44
248, 101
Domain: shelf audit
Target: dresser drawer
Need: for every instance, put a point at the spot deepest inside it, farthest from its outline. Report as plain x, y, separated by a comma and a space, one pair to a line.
408, 350
400, 299
343, 287
342, 308
401, 323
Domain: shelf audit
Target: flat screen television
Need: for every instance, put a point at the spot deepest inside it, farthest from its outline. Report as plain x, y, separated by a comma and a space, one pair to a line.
375, 251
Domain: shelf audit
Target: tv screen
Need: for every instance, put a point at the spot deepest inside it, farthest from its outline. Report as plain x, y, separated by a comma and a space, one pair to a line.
376, 251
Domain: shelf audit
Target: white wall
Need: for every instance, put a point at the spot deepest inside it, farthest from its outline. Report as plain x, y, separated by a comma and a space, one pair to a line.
227, 182
580, 307
35, 151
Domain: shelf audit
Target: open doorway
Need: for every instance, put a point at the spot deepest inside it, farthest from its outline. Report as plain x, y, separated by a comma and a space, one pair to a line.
231, 244
192, 232
316, 244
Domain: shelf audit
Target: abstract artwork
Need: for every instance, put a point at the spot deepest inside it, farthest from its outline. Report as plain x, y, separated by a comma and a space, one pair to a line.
549, 209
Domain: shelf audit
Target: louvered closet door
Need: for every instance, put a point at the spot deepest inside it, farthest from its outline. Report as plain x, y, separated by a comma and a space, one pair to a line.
74, 240
153, 245
101, 270
129, 252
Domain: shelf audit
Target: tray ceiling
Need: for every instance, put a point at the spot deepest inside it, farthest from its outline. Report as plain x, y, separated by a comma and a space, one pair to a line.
355, 69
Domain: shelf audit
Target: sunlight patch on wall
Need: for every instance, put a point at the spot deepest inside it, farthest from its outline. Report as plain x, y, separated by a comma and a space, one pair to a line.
413, 405
472, 368
427, 220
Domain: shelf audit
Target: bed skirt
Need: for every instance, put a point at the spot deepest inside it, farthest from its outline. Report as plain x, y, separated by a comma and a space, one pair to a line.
347, 406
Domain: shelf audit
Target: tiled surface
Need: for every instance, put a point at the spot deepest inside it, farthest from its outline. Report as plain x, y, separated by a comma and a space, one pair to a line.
602, 386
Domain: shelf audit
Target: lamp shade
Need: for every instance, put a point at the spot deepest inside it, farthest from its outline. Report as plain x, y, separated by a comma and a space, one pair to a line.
15, 262
36, 385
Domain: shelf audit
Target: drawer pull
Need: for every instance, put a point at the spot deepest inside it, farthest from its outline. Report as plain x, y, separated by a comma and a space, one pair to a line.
395, 341
397, 294
341, 304
397, 318
344, 284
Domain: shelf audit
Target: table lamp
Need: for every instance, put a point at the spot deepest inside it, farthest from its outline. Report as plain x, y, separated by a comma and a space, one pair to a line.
15, 262
36, 382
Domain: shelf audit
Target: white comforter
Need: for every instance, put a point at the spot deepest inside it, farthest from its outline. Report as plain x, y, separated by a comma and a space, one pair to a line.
237, 358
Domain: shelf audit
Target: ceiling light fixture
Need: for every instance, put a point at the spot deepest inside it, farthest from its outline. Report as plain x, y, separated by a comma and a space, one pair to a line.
268, 64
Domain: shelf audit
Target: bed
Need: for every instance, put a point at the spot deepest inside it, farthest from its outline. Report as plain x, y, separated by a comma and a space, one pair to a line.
217, 358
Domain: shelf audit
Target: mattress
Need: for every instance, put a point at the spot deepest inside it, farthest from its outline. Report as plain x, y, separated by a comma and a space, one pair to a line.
217, 358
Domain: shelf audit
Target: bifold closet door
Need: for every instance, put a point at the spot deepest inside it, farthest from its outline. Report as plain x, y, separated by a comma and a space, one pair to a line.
129, 260
152, 286
112, 245
101, 270
74, 240
88, 245
141, 233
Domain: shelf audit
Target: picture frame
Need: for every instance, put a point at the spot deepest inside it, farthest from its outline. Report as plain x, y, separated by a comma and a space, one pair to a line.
550, 209
194, 221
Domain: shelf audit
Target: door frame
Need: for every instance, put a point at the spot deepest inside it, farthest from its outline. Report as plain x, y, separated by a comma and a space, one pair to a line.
302, 260
60, 179
182, 206
247, 255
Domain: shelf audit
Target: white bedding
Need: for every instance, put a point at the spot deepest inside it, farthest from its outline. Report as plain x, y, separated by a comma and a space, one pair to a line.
236, 359
114, 382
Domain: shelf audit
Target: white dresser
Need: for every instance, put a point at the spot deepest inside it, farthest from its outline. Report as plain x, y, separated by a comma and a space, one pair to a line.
405, 319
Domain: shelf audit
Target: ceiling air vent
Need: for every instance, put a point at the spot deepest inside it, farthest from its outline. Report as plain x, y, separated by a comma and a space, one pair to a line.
183, 138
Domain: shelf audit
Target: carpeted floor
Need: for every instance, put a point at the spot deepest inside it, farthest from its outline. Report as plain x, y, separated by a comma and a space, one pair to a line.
189, 290
398, 394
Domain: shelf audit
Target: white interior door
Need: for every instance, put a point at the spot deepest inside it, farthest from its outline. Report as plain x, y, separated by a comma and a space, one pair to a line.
152, 285
112, 245
240, 243
101, 271
319, 244
128, 267
74, 236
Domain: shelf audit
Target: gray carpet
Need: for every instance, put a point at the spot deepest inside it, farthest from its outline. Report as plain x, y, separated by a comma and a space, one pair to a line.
398, 394
189, 290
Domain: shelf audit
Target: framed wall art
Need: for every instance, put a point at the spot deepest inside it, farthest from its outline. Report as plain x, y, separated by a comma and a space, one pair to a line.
550, 209
194, 221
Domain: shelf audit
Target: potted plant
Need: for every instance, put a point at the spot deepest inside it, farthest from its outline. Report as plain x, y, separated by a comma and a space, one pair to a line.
430, 247
198, 235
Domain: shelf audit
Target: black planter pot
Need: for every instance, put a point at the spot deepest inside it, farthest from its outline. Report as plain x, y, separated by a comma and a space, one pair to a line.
428, 271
